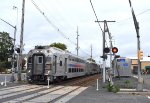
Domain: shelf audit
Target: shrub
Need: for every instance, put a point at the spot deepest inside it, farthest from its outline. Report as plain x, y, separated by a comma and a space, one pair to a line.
116, 89
109, 87
112, 88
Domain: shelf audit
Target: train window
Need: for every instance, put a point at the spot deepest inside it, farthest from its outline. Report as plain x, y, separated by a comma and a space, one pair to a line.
75, 69
60, 63
79, 70
40, 60
30, 60
69, 70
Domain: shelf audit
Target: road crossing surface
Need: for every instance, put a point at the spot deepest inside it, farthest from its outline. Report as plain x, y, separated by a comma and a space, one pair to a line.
38, 94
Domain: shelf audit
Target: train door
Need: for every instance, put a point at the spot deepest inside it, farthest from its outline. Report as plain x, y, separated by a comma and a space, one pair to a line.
55, 63
39, 64
65, 65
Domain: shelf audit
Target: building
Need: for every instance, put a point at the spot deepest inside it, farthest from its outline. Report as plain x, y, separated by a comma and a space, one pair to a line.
144, 65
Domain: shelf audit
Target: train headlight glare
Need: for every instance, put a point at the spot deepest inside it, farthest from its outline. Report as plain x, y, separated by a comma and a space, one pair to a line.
29, 71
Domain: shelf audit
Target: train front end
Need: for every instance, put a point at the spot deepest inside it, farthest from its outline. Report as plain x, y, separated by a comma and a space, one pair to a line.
38, 66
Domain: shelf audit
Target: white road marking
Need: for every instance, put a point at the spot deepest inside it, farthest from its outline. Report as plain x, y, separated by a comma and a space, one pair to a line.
53, 95
148, 97
10, 87
33, 95
20, 88
71, 95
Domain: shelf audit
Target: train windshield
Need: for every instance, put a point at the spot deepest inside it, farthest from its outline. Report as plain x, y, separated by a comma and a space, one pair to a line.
30, 60
40, 59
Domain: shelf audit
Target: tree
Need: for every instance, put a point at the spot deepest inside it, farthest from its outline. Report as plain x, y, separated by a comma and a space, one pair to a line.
59, 45
6, 44
90, 59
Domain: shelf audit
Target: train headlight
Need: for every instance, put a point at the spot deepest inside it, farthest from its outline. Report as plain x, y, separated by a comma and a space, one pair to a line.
29, 71
48, 72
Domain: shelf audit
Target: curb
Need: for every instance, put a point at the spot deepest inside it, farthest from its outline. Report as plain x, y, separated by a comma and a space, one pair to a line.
134, 91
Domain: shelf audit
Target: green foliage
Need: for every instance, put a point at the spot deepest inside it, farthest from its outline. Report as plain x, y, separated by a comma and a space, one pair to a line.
6, 44
112, 88
127, 83
59, 45
90, 59
109, 87
4, 65
116, 89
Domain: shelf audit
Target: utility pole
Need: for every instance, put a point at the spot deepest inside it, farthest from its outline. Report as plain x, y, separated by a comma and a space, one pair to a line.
136, 24
77, 42
91, 52
104, 62
111, 69
21, 41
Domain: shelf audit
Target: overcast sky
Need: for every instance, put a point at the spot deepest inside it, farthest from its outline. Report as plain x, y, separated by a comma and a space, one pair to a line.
66, 15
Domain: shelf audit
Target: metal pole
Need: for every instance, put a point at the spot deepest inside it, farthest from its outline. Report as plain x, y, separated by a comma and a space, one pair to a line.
91, 52
21, 41
17, 64
104, 63
97, 85
77, 42
140, 86
136, 24
13, 57
111, 70
5, 81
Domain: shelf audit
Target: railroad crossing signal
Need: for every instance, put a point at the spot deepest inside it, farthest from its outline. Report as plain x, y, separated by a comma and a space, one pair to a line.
104, 56
140, 55
114, 49
18, 50
106, 50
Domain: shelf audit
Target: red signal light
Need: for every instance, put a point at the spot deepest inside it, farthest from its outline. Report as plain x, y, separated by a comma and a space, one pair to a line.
114, 50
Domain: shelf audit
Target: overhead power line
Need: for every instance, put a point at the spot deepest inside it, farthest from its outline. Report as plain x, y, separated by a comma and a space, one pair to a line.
54, 26
96, 15
147, 10
50, 22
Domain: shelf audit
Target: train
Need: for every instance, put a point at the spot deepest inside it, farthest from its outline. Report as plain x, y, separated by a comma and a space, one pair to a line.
46, 62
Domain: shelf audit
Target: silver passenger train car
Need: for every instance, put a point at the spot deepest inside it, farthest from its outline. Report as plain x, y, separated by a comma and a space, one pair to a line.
53, 63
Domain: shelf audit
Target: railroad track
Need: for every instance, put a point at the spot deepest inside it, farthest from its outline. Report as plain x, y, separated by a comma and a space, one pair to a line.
82, 83
56, 92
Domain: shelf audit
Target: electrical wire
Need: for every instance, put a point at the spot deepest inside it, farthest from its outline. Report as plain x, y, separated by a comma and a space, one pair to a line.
136, 15
53, 25
58, 10
96, 17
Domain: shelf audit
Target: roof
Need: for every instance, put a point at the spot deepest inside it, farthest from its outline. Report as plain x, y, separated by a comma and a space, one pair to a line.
144, 58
